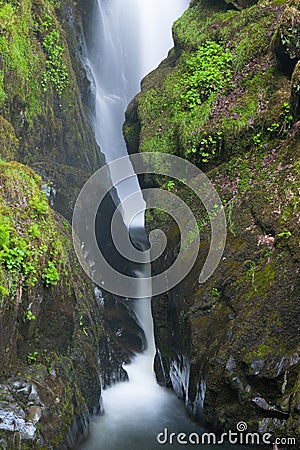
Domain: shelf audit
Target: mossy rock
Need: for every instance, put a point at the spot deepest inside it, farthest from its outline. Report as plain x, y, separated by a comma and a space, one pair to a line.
286, 39
239, 4
295, 92
8, 140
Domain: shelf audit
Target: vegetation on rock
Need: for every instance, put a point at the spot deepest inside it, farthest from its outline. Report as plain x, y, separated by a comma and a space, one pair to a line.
239, 330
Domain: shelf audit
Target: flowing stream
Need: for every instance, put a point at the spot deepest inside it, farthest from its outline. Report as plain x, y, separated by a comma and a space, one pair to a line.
128, 39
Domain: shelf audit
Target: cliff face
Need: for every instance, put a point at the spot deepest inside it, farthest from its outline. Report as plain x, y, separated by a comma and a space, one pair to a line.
227, 99
43, 120
52, 324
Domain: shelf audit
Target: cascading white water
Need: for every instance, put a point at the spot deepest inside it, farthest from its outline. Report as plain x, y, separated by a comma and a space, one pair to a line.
128, 38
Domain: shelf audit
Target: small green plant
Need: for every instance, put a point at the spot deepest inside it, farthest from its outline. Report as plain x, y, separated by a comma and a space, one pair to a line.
82, 326
258, 140
208, 71
4, 231
3, 290
56, 71
46, 356
50, 275
32, 357
274, 128
47, 23
29, 315
34, 230
215, 292
39, 205
207, 147
287, 117
251, 270
285, 234
66, 225
170, 185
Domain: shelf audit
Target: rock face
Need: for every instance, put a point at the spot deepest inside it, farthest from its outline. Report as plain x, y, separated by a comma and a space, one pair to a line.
59, 341
229, 347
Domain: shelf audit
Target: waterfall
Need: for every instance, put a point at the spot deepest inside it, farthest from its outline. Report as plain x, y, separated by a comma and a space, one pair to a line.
128, 38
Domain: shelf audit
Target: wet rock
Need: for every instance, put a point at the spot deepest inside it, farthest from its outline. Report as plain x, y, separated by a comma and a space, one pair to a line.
34, 413
231, 364
263, 404
286, 40
239, 4
295, 92
270, 424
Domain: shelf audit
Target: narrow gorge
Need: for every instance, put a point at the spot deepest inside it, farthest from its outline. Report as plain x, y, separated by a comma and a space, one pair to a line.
82, 368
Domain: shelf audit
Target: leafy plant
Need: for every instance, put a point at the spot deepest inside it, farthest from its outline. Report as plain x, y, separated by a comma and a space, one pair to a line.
251, 270
4, 231
170, 185
50, 275
287, 117
215, 293
56, 70
82, 326
40, 205
285, 234
34, 230
29, 315
32, 357
208, 71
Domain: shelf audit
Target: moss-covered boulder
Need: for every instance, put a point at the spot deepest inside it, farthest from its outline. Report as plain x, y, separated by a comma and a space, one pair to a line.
50, 322
286, 40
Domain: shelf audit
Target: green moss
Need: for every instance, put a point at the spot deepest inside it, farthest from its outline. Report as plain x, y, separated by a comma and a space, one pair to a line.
259, 352
30, 251
179, 113
22, 62
56, 70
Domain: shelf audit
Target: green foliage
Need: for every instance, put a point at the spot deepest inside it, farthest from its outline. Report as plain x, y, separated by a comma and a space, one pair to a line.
207, 147
81, 324
2, 92
39, 205
32, 357
34, 230
215, 293
29, 242
251, 270
20, 55
50, 275
287, 117
285, 234
19, 259
208, 71
29, 315
5, 228
170, 185
66, 225
56, 70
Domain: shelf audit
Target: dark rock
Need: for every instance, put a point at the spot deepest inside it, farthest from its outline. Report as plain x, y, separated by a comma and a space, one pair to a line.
286, 40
